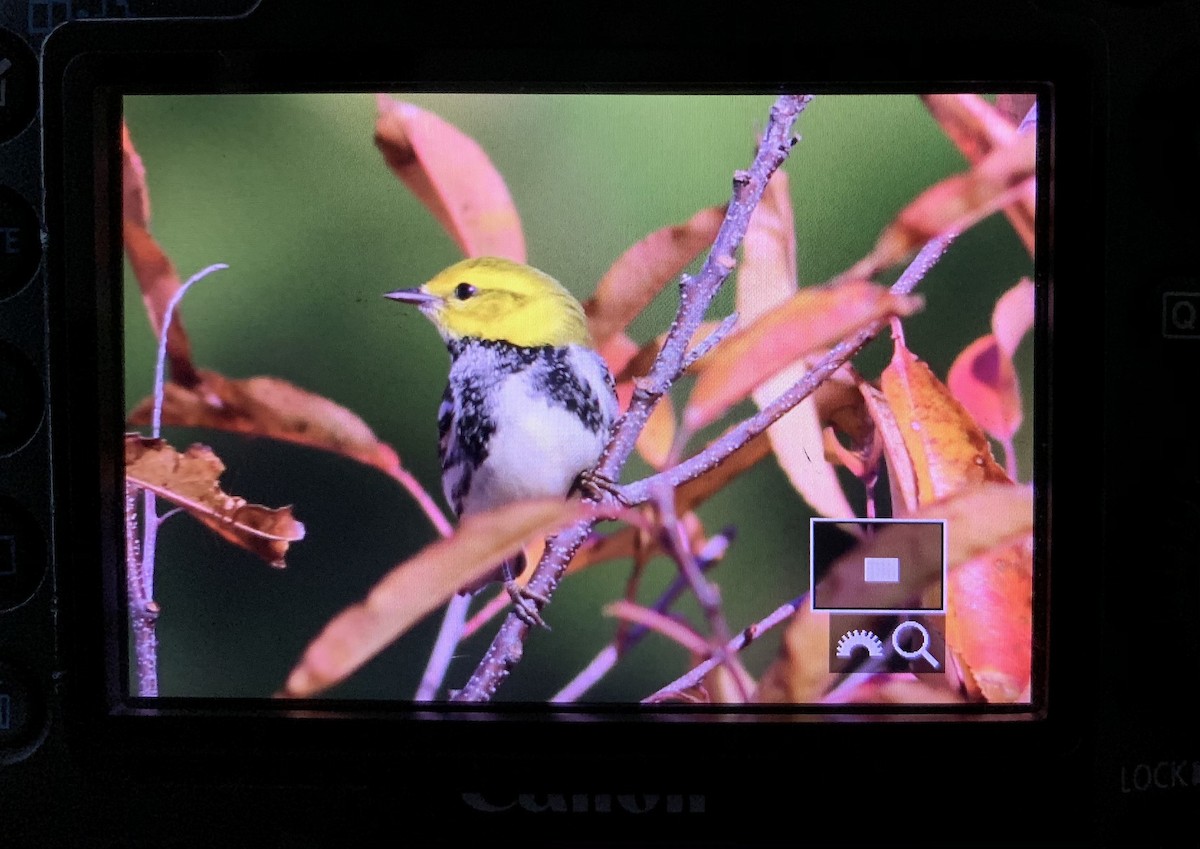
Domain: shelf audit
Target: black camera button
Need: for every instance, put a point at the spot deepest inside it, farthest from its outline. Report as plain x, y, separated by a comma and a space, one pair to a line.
22, 554
18, 85
21, 714
20, 242
22, 400
1181, 315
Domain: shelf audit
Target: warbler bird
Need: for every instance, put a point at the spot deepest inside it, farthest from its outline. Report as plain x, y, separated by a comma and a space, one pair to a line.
529, 403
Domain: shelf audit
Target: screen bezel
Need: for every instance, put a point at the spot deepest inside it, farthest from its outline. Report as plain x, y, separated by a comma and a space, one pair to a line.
92, 85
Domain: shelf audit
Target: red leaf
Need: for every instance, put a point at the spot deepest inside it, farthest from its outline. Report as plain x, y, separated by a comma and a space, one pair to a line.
983, 377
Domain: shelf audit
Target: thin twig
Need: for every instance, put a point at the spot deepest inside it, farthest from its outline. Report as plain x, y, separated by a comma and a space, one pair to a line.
143, 612
694, 676
677, 545
696, 294
670, 627
424, 500
708, 557
448, 638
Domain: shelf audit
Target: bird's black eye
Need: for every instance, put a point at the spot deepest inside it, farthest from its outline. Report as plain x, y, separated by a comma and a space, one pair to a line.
464, 290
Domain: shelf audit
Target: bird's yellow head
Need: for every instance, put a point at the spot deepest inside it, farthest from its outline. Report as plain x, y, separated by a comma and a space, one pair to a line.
498, 299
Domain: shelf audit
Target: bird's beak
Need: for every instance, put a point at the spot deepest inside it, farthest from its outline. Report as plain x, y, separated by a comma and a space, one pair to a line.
416, 297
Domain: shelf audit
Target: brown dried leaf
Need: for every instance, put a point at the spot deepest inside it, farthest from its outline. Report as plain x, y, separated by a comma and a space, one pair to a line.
452, 175
947, 449
841, 408
639, 274
423, 583
810, 321
269, 406
766, 279
902, 475
190, 480
156, 276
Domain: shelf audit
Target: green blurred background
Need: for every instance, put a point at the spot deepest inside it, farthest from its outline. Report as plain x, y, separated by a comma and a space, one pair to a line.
291, 193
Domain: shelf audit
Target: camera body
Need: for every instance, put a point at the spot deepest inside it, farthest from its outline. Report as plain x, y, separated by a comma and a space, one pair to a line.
1106, 752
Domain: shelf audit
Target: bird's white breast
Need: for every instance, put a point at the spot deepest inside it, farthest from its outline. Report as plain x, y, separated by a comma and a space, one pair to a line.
539, 447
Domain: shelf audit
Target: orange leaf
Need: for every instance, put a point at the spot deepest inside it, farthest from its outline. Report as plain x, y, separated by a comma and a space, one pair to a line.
423, 583
639, 274
1004, 176
658, 435
155, 274
190, 480
947, 449
700, 489
811, 320
976, 127
452, 175
618, 350
989, 620
766, 279
269, 406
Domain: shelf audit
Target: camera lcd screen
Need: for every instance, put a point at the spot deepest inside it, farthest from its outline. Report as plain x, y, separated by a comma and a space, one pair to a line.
830, 500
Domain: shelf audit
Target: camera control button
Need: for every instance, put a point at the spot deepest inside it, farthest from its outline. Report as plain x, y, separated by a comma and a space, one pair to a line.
21, 399
21, 717
20, 242
22, 554
1181, 315
18, 85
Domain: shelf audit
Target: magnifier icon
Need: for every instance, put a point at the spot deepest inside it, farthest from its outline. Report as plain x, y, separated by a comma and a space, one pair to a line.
922, 649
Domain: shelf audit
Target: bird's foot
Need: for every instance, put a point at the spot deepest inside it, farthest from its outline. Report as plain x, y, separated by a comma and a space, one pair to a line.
597, 487
527, 604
